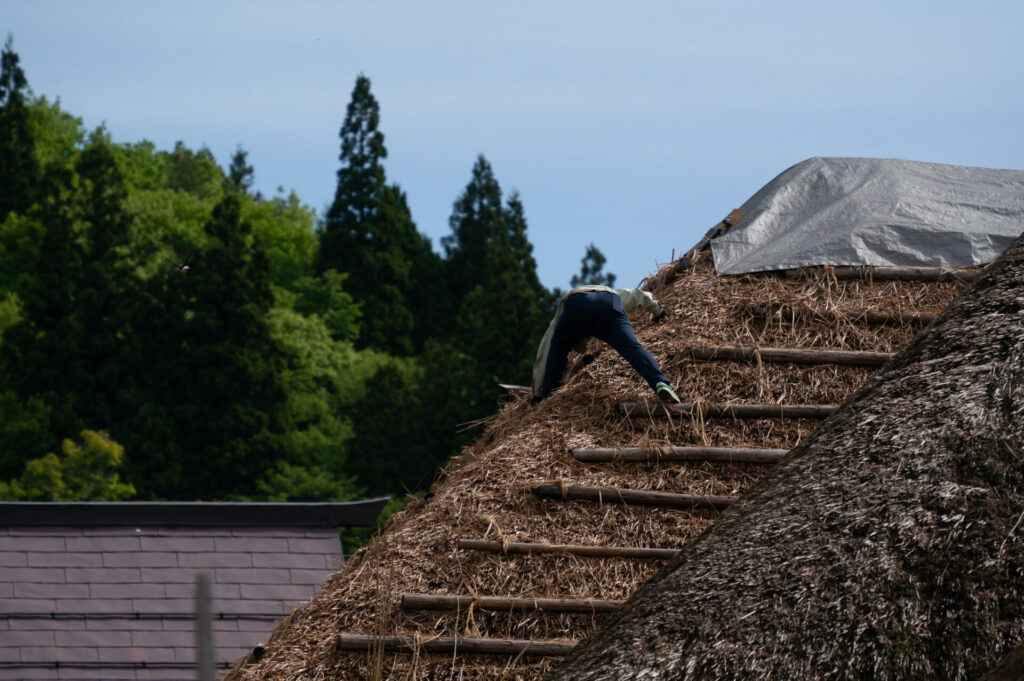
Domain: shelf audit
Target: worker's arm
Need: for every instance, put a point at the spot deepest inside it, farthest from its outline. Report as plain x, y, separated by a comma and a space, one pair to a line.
635, 299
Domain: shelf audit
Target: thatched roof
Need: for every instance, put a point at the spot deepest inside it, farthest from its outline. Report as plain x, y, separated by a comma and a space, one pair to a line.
488, 493
887, 545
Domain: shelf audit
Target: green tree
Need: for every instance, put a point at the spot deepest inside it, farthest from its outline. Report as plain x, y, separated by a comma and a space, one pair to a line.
19, 168
106, 298
24, 431
392, 451
240, 173
226, 376
42, 350
477, 223
592, 270
195, 172
78, 303
85, 471
369, 233
503, 309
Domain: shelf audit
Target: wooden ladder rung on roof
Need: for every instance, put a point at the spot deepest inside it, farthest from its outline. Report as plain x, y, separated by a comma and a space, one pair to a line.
636, 497
450, 645
790, 355
465, 601
670, 454
736, 411
790, 313
567, 549
898, 273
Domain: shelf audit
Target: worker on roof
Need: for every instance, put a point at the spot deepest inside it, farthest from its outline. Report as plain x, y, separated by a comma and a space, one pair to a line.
598, 312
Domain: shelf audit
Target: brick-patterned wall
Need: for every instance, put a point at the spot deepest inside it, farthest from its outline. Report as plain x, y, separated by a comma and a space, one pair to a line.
101, 601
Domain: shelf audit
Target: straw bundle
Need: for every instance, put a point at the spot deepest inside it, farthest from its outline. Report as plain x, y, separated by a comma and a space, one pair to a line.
486, 493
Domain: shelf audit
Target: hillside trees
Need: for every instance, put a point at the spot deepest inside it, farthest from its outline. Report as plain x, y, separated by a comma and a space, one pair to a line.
229, 346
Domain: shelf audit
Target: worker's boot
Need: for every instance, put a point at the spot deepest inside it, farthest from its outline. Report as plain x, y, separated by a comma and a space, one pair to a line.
666, 394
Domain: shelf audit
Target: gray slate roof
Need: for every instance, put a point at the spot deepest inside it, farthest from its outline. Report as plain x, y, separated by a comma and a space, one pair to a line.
110, 593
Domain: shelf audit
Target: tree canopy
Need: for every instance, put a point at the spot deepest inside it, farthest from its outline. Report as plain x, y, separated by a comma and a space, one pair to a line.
204, 342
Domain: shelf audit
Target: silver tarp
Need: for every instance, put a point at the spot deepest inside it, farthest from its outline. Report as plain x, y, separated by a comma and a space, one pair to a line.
866, 211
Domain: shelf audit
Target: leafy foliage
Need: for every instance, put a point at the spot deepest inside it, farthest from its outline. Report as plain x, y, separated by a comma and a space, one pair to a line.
233, 346
83, 471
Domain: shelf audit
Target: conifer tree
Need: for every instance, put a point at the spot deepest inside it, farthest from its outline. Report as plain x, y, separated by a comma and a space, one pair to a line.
41, 350
477, 223
19, 170
106, 294
503, 310
369, 232
229, 390
240, 174
592, 270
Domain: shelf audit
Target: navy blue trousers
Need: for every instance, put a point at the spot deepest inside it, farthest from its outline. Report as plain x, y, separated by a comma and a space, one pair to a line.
597, 314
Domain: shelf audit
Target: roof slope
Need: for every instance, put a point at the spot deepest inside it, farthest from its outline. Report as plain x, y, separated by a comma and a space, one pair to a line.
880, 212
489, 491
886, 546
106, 590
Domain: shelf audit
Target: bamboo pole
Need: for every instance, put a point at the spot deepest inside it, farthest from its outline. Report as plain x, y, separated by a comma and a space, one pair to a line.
567, 549
791, 314
898, 273
791, 355
737, 411
670, 454
451, 645
616, 495
465, 601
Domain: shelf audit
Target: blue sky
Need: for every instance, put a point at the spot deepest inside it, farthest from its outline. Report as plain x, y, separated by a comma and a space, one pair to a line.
635, 126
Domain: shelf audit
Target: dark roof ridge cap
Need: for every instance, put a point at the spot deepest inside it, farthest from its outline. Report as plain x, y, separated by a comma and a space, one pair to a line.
363, 512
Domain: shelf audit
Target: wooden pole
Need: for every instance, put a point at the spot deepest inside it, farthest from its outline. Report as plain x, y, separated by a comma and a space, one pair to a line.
736, 411
671, 454
616, 495
790, 314
791, 355
450, 645
898, 273
465, 601
204, 629
569, 549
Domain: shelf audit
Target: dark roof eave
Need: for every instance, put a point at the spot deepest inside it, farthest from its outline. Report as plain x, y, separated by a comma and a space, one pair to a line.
360, 513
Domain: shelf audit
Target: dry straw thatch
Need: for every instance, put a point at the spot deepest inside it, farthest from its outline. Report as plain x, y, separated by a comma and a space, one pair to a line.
889, 545
486, 493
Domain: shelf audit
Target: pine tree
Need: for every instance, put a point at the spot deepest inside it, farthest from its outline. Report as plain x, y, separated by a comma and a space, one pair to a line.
19, 170
369, 233
477, 223
229, 392
592, 270
42, 349
106, 296
240, 174
503, 309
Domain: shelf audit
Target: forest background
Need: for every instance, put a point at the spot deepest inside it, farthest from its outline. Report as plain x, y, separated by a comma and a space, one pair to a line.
168, 334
